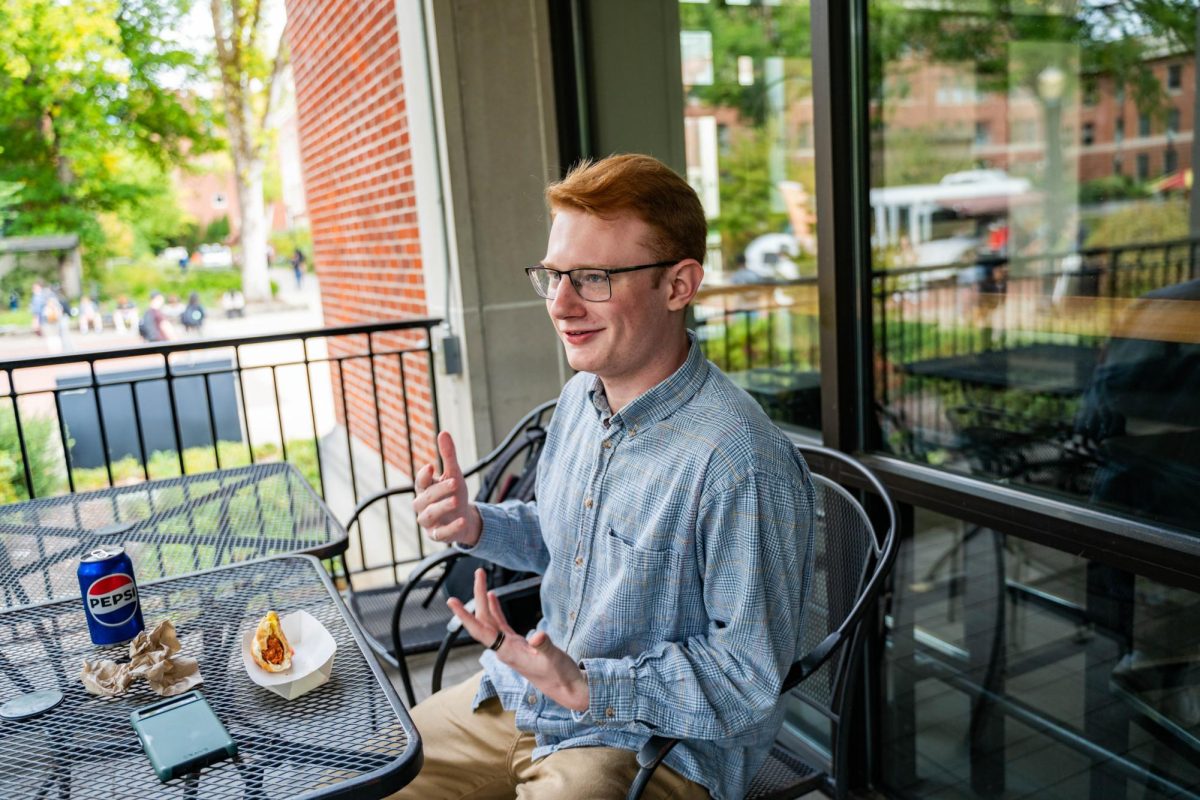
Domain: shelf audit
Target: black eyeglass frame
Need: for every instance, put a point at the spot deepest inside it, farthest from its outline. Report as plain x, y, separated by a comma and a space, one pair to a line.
608, 273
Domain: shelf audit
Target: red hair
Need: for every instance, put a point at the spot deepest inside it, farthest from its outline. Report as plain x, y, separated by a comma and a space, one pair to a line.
644, 187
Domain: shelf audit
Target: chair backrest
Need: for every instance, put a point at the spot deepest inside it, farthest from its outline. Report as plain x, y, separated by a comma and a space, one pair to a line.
851, 560
510, 470
844, 552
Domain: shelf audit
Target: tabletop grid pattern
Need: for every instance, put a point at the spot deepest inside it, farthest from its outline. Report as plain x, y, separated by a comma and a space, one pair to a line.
168, 527
87, 748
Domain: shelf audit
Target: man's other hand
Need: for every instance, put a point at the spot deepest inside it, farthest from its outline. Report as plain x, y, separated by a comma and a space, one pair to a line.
549, 669
441, 502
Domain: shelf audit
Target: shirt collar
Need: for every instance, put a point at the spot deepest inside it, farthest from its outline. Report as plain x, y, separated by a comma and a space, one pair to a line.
659, 402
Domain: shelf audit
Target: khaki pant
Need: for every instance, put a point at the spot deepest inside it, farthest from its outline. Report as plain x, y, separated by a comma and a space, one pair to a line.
482, 755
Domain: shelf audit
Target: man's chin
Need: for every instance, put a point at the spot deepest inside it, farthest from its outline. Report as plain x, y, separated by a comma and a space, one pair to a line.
578, 358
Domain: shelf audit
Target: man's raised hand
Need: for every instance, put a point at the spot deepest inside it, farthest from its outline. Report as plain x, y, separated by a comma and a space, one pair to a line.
441, 502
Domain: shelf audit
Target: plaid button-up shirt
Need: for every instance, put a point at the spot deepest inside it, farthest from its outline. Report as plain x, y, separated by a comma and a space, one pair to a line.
675, 541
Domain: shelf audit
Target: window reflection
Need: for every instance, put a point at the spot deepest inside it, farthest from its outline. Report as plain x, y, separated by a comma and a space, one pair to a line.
1014, 670
1032, 233
748, 133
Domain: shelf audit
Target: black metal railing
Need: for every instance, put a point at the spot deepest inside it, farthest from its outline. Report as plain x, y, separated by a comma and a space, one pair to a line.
339, 403
980, 364
985, 364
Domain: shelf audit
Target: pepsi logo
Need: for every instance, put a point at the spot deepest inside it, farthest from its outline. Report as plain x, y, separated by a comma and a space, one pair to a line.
113, 600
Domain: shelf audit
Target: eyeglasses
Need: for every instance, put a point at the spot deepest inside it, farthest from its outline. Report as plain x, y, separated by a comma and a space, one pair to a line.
593, 284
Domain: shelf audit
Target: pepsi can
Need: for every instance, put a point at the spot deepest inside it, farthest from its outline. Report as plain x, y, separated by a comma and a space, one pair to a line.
110, 596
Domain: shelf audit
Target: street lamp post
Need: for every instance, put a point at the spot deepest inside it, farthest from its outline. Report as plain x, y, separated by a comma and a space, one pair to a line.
1051, 82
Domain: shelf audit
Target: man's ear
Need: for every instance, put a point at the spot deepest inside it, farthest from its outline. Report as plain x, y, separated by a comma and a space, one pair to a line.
683, 281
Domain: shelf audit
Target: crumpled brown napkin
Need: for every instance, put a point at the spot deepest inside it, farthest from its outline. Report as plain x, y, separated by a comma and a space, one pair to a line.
153, 656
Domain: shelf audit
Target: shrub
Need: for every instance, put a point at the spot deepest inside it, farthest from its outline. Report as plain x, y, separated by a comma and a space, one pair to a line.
165, 463
1140, 223
136, 280
42, 447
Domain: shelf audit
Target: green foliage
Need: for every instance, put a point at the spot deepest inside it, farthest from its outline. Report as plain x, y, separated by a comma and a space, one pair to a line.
1004, 49
90, 115
20, 278
757, 31
746, 189
746, 341
1111, 187
138, 279
286, 242
301, 453
922, 155
218, 230
10, 197
1144, 222
45, 464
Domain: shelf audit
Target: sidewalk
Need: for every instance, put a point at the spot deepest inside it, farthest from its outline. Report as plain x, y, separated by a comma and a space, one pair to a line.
292, 309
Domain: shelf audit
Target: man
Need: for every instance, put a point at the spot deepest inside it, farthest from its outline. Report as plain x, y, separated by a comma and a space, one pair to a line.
155, 326
673, 529
37, 306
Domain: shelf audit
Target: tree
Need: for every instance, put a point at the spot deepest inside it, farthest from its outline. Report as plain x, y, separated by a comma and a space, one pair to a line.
91, 116
249, 85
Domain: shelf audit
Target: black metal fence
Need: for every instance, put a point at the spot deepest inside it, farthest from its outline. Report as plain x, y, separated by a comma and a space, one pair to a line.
85, 420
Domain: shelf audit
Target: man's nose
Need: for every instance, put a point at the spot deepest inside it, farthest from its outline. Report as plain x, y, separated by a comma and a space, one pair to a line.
566, 302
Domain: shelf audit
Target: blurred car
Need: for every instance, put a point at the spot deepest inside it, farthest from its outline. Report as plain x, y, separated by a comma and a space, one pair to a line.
216, 256
174, 255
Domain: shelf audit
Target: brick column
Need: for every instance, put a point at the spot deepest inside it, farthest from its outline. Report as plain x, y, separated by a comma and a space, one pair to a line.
358, 176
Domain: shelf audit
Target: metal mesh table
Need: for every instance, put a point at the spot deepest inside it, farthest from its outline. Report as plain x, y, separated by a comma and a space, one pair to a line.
349, 737
168, 527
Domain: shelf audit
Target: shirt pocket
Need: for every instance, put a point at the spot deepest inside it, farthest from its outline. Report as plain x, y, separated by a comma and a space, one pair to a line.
633, 600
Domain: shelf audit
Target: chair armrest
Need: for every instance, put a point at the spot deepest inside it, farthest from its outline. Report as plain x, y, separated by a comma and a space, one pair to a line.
423, 566
649, 757
454, 628
812, 661
371, 500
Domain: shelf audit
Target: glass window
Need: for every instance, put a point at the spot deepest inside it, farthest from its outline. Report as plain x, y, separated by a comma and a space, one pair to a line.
1143, 166
1143, 124
1014, 670
748, 131
1170, 161
1036, 312
983, 132
1175, 77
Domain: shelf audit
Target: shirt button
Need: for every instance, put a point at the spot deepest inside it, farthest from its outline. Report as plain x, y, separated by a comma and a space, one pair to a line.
607, 444
633, 431
579, 561
608, 712
571, 616
532, 699
587, 503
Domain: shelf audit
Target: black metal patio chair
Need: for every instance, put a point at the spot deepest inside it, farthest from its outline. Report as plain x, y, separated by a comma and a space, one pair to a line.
850, 563
409, 618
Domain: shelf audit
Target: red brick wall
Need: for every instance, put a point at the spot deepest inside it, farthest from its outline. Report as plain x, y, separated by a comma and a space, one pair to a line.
357, 167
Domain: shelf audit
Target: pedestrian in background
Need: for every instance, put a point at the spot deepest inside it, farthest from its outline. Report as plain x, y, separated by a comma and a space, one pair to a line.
193, 315
37, 306
298, 261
